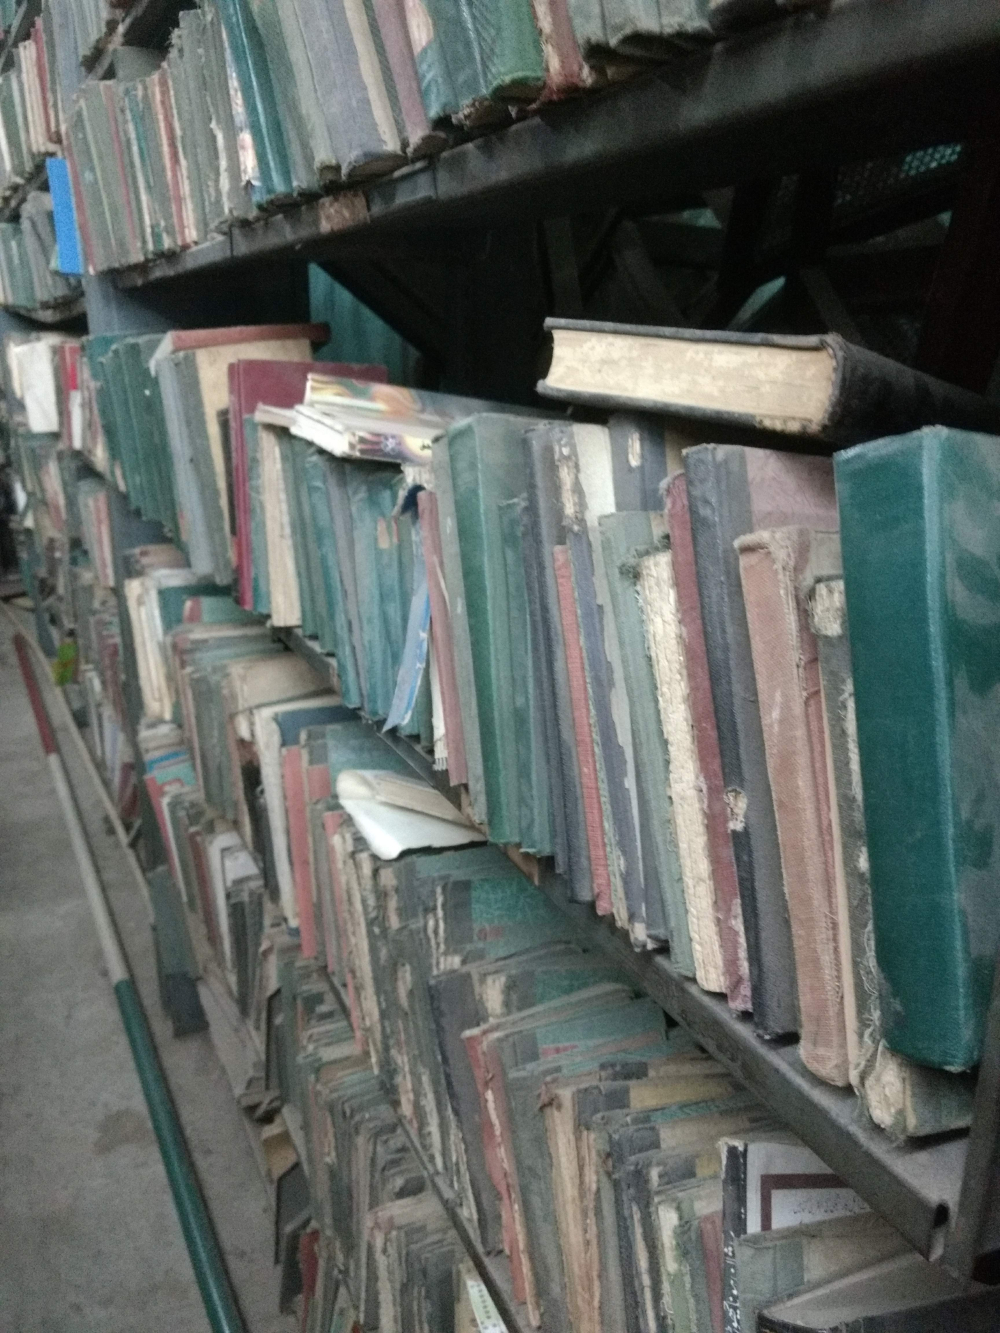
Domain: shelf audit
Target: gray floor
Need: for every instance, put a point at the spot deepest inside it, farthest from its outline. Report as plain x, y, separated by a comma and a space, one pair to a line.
89, 1240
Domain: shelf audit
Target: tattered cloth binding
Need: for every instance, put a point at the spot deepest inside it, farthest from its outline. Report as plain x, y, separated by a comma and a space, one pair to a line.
774, 567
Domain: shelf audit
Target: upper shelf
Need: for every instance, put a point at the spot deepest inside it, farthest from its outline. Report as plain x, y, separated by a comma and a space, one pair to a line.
914, 1185
852, 81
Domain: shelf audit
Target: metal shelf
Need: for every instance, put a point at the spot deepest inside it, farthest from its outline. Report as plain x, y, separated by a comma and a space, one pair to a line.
914, 1185
851, 81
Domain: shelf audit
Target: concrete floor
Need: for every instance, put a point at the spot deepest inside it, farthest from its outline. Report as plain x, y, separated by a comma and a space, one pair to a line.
89, 1240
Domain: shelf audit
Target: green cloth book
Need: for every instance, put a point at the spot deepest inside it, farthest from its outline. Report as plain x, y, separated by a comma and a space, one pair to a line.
921, 549
488, 467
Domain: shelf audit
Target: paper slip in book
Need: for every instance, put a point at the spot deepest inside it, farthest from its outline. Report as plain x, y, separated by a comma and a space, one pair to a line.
395, 813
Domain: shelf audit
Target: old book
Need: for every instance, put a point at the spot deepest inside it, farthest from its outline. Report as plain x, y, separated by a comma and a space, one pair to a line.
586, 470
626, 538
771, 1265
732, 491
817, 385
775, 571
610, 30
461, 641
925, 761
469, 996
466, 57
771, 1181
279, 384
664, 636
684, 1212
442, 642
354, 86
906, 1099
562, 703
905, 1291
487, 468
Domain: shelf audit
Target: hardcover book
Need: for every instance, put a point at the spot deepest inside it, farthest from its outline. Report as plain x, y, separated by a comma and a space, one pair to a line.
918, 534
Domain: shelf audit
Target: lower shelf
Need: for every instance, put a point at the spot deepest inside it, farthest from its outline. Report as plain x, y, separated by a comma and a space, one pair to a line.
915, 1185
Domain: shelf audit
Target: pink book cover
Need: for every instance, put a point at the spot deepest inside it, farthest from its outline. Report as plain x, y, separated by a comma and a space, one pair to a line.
157, 791
298, 845
278, 384
442, 642
720, 847
586, 755
773, 566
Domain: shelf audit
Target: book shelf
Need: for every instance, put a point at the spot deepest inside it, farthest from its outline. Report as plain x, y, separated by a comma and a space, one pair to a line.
916, 1186
852, 81
810, 92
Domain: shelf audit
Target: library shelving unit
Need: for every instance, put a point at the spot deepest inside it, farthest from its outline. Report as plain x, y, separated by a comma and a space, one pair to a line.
465, 253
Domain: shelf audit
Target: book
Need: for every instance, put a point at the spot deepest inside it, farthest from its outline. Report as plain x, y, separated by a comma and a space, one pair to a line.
665, 640
731, 491
627, 538
278, 384
901, 501
772, 1265
442, 642
486, 459
775, 570
818, 385
876, 1298
611, 30
771, 1181
905, 1099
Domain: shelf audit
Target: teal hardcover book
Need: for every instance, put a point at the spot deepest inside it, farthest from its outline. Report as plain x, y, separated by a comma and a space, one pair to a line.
921, 549
489, 467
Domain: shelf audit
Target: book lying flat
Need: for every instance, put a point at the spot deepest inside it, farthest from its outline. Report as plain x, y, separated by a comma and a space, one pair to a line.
818, 385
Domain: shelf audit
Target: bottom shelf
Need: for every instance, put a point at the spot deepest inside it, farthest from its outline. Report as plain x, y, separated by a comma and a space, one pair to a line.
914, 1185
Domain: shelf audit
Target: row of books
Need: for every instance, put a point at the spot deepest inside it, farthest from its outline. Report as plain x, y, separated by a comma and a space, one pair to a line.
30, 113
257, 104
441, 987
512, 593
249, 819
29, 277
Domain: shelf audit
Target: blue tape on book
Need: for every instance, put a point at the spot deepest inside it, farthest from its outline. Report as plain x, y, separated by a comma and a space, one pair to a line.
68, 252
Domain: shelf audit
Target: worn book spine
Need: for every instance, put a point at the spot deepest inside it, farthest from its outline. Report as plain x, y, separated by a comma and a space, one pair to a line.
658, 593
444, 647
919, 533
461, 641
711, 787
772, 566
547, 532
904, 1099
720, 510
585, 473
586, 754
